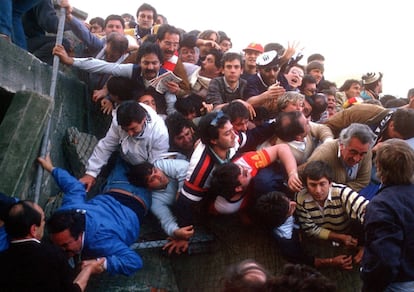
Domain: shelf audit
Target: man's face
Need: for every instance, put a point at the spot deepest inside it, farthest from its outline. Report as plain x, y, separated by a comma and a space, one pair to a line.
250, 57
135, 128
354, 152
110, 54
188, 55
169, 45
232, 71
65, 241
307, 109
185, 140
240, 124
269, 75
148, 100
226, 138
208, 66
318, 189
294, 76
157, 180
309, 89
114, 26
317, 74
145, 19
225, 45
353, 91
244, 177
150, 65
305, 124
96, 28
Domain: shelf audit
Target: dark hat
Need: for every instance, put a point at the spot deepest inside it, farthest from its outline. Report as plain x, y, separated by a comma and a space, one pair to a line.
5, 204
315, 65
268, 60
371, 77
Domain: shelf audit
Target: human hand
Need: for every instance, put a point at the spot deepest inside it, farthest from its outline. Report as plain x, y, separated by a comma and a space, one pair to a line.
184, 232
275, 91
294, 182
291, 49
106, 106
212, 44
46, 163
207, 108
173, 87
343, 261
88, 181
60, 51
99, 94
176, 245
349, 241
96, 266
358, 256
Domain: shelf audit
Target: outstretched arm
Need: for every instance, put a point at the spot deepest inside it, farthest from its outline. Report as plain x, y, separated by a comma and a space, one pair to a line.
283, 153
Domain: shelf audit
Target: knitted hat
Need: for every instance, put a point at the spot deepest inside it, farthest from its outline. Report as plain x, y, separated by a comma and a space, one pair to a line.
254, 47
268, 60
371, 77
315, 65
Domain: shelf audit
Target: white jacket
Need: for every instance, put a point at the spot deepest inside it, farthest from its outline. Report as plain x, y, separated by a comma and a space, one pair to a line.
150, 146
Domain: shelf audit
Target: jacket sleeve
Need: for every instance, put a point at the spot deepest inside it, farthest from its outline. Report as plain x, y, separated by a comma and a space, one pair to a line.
120, 259
103, 150
93, 65
81, 31
213, 94
73, 189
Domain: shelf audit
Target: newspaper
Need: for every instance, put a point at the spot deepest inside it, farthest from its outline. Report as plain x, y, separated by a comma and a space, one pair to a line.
160, 83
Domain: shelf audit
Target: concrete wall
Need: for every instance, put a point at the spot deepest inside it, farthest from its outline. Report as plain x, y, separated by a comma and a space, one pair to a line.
26, 80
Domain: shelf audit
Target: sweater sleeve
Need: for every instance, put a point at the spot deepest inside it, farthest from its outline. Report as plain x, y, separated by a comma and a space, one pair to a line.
93, 65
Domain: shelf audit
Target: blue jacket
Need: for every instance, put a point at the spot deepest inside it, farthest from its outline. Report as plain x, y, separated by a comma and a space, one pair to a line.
110, 227
389, 247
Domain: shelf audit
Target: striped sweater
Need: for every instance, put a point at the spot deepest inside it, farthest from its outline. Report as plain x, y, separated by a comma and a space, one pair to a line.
341, 205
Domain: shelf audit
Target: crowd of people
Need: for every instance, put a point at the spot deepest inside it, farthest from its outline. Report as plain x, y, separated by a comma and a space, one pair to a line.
199, 130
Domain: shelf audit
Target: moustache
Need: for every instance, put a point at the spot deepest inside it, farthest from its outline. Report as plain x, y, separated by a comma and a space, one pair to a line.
147, 72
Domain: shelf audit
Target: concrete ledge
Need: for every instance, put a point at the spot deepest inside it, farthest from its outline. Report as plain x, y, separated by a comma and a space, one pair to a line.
28, 80
21, 133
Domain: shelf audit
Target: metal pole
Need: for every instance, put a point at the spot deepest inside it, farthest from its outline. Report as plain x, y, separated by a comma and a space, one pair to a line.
55, 71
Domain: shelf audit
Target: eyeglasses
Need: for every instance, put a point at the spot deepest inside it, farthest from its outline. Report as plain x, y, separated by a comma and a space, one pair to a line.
214, 122
275, 68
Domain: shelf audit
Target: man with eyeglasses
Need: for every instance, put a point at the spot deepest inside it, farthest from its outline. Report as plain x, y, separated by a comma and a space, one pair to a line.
168, 38
263, 89
350, 156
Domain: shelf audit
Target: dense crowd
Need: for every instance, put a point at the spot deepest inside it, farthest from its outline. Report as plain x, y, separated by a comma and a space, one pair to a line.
199, 130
